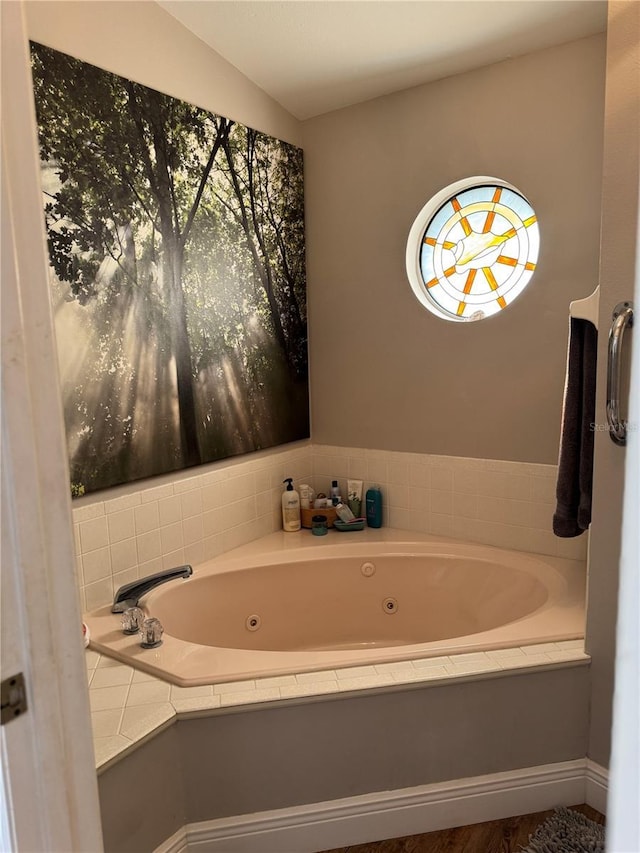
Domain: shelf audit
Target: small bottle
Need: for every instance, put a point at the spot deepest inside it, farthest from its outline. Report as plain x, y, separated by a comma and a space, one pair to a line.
334, 493
306, 496
373, 503
290, 507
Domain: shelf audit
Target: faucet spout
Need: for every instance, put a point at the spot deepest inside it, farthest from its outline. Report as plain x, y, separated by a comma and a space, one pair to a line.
130, 594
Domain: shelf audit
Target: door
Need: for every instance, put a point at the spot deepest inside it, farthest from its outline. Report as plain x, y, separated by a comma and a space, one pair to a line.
624, 789
48, 782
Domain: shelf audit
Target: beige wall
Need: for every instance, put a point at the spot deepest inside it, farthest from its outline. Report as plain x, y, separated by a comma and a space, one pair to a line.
237, 763
414, 382
385, 373
139, 40
381, 366
619, 235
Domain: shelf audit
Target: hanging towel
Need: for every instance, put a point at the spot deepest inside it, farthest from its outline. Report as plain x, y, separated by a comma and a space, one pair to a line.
575, 464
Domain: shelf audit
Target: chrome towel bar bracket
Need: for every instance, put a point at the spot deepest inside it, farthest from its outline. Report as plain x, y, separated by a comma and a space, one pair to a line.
622, 320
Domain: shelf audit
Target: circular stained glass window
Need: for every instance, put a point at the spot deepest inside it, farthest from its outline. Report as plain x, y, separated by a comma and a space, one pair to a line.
472, 249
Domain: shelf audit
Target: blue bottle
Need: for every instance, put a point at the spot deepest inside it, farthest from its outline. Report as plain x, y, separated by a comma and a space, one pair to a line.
373, 502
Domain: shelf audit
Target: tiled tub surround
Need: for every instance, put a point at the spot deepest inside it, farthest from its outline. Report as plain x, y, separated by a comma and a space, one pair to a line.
489, 501
197, 516
191, 519
129, 706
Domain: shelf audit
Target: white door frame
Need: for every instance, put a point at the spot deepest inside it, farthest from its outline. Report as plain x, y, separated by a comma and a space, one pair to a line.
48, 784
623, 834
624, 785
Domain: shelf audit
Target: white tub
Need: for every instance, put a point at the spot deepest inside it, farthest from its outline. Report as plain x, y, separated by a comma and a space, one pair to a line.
293, 603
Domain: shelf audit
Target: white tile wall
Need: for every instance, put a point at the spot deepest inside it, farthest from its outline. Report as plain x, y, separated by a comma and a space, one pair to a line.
194, 518
493, 502
189, 520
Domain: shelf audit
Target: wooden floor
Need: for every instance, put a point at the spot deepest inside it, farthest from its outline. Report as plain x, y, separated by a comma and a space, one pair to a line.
495, 836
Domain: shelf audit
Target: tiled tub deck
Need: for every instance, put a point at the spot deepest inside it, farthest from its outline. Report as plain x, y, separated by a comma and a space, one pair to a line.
128, 706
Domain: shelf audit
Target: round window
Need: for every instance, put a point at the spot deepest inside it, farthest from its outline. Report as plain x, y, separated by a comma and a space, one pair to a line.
472, 249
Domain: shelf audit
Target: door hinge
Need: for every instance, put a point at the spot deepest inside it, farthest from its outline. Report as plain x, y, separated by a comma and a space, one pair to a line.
13, 698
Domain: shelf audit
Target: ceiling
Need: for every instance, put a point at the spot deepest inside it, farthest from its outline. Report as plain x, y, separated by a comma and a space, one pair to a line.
313, 56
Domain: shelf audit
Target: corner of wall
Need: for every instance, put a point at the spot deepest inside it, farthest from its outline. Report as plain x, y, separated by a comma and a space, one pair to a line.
196, 516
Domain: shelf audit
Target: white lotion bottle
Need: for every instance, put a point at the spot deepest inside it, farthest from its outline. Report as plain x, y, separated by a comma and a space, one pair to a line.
290, 507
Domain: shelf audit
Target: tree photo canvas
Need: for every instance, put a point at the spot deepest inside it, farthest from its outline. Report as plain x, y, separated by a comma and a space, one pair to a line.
177, 266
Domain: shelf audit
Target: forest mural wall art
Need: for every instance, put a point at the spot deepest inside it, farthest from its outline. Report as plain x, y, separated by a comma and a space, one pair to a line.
176, 245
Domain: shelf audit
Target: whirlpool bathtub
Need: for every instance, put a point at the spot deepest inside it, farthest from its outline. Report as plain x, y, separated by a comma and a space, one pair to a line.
293, 603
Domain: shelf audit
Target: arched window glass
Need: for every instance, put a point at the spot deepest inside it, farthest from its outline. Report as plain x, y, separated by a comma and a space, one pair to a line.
472, 249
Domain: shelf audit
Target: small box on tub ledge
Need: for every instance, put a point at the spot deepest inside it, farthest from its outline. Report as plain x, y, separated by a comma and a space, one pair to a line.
306, 516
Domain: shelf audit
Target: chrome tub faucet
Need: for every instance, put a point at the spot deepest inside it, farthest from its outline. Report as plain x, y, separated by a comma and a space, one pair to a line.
130, 594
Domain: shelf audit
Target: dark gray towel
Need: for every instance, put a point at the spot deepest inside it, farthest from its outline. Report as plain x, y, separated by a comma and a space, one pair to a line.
575, 464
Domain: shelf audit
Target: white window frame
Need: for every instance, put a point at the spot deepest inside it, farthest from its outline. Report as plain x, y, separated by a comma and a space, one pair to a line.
416, 234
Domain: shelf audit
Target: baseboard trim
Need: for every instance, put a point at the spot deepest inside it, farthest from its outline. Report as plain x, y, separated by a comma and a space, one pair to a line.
596, 786
390, 814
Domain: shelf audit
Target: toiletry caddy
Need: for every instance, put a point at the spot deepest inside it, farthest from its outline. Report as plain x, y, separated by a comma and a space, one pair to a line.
307, 514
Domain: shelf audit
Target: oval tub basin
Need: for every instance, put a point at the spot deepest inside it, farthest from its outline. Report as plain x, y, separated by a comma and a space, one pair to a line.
293, 603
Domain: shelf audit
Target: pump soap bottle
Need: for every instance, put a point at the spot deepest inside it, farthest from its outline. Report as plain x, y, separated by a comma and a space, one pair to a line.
290, 507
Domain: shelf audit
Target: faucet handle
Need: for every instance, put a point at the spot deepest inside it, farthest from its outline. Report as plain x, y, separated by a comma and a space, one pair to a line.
132, 620
152, 632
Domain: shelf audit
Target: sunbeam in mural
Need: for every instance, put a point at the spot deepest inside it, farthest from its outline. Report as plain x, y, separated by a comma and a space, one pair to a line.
176, 246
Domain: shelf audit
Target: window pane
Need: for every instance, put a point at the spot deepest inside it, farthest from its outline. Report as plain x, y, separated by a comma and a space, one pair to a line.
478, 251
